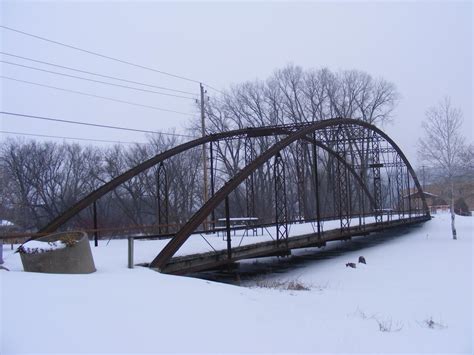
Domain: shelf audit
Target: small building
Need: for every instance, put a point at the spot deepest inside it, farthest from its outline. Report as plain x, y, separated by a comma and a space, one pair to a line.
435, 203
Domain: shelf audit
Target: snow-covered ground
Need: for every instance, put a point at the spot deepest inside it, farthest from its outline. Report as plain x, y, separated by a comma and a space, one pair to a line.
417, 285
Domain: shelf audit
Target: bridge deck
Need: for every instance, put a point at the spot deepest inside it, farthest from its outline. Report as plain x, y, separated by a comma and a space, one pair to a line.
210, 260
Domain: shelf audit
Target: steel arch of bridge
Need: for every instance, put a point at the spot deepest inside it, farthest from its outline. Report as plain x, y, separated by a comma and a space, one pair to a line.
251, 132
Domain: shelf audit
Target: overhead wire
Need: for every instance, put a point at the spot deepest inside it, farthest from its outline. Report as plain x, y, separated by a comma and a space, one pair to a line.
217, 90
103, 55
92, 124
97, 96
70, 138
95, 81
95, 74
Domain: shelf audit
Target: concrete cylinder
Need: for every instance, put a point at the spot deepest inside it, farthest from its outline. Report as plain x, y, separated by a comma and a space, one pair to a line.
74, 259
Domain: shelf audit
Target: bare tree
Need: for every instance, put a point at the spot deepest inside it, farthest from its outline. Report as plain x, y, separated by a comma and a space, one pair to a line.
442, 145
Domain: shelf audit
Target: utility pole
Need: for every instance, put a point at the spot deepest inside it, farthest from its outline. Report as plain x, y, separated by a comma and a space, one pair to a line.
423, 176
204, 152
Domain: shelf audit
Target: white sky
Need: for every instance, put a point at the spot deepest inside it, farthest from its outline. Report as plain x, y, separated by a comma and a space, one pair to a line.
424, 48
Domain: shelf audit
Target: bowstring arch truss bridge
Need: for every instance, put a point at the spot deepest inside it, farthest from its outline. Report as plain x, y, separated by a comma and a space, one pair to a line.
347, 172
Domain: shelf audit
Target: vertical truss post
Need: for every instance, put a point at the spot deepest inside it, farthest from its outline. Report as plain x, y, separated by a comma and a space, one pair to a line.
399, 182
227, 228
204, 152
376, 165
316, 184
409, 193
332, 182
96, 232
300, 169
250, 181
342, 194
162, 198
363, 206
281, 213
349, 194
360, 205
213, 213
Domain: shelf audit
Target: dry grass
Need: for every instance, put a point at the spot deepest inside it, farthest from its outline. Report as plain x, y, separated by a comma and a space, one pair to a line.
431, 324
68, 239
389, 325
385, 325
293, 285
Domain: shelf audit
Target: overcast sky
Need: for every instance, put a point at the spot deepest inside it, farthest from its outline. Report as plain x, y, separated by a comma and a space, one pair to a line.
424, 48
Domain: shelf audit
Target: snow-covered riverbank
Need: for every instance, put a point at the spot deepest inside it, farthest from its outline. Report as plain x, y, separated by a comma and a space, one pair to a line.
417, 286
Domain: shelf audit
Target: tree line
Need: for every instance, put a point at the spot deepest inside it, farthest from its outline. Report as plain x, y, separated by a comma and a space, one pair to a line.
39, 180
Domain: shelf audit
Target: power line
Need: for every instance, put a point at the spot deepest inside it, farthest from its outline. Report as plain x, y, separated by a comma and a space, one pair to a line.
217, 90
72, 138
100, 55
97, 96
91, 124
96, 74
95, 81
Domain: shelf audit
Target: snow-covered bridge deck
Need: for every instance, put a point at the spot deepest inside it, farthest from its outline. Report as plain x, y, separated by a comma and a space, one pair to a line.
221, 256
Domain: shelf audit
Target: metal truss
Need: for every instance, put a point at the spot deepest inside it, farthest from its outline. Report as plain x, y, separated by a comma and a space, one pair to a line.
211, 166
400, 184
300, 163
376, 165
281, 211
250, 181
316, 185
342, 186
162, 199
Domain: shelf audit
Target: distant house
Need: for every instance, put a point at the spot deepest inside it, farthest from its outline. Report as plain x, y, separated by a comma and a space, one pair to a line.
461, 208
435, 203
